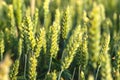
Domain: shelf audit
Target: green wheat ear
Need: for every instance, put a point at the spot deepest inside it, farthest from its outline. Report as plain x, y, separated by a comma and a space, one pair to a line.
106, 67
12, 21
15, 67
116, 66
66, 23
94, 35
20, 46
1, 45
39, 42
117, 62
54, 41
36, 19
54, 37
33, 58
81, 57
27, 26
116, 58
55, 30
17, 5
71, 47
105, 57
29, 37
14, 70
32, 68
46, 14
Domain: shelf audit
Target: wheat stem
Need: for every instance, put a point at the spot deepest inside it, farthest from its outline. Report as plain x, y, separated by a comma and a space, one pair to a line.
50, 64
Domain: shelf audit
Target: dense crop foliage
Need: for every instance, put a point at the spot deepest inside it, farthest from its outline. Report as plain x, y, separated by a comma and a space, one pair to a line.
60, 39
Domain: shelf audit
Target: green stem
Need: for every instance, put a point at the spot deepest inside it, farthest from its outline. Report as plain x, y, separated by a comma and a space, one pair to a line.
60, 73
73, 74
79, 72
97, 72
50, 64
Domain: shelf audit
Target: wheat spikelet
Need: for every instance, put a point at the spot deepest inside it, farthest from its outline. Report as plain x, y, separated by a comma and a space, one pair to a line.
14, 70
117, 61
55, 30
17, 5
27, 26
44, 43
66, 24
36, 16
33, 59
15, 67
39, 42
54, 41
32, 68
29, 37
13, 28
71, 47
105, 58
81, 57
57, 18
94, 35
106, 68
46, 14
12, 19
11, 15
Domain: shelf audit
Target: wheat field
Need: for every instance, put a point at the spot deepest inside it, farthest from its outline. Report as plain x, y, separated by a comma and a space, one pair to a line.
59, 39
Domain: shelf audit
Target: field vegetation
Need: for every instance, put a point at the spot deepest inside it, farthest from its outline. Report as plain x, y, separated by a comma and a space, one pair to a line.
60, 39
